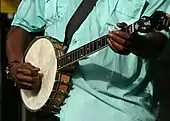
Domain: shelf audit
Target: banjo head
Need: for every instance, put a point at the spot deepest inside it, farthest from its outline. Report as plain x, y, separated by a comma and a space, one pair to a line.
41, 54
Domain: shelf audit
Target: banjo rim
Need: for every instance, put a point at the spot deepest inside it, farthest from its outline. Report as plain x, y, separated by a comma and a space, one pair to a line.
24, 57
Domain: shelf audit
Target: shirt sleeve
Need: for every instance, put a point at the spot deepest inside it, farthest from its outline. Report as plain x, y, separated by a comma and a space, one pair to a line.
30, 15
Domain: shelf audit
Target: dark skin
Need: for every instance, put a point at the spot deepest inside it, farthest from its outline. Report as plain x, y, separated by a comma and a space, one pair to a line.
148, 46
27, 75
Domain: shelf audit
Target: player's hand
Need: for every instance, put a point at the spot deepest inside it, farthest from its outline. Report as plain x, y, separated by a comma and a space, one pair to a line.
26, 76
120, 41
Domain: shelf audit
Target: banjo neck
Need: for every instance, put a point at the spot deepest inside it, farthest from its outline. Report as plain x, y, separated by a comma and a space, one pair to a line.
159, 20
55, 92
90, 48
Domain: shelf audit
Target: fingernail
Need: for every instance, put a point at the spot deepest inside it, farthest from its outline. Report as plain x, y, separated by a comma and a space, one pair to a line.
36, 69
118, 23
117, 32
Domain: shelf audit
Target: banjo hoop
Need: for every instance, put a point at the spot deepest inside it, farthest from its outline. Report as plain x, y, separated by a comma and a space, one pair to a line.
55, 84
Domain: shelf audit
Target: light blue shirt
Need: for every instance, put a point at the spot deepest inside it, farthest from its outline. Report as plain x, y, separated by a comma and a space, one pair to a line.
107, 86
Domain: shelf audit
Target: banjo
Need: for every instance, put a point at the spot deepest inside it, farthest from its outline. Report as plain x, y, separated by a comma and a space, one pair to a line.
46, 53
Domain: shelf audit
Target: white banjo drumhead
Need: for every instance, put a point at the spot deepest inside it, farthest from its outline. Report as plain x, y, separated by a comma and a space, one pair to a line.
41, 54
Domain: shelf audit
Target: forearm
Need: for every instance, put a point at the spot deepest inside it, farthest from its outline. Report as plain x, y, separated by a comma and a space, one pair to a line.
15, 43
150, 45
17, 40
160, 70
161, 76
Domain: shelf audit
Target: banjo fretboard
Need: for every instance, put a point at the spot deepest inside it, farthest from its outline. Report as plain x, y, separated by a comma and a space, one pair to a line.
90, 48
158, 20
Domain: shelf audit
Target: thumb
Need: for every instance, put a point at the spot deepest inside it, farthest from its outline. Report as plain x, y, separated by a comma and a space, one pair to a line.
121, 25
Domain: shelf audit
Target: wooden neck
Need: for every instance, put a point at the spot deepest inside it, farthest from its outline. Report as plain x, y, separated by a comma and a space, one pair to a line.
102, 42
90, 48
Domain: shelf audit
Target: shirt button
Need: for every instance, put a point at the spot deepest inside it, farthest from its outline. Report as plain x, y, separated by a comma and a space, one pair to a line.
74, 41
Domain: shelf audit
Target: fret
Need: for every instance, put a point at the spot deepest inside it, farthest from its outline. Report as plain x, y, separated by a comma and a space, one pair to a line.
81, 51
64, 60
67, 58
130, 29
99, 43
59, 63
91, 48
105, 40
136, 26
76, 54
84, 49
71, 56
87, 49
94, 45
